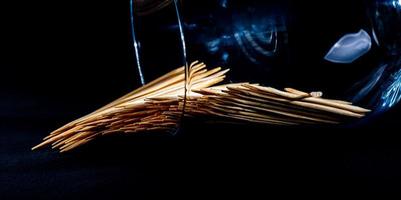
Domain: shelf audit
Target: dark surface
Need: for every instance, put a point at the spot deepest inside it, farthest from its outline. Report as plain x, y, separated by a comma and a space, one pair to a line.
61, 60
206, 162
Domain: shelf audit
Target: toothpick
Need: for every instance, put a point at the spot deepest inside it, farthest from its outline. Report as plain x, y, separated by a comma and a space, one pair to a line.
158, 106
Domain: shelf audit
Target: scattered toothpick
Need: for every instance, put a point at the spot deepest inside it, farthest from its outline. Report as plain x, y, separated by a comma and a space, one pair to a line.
158, 106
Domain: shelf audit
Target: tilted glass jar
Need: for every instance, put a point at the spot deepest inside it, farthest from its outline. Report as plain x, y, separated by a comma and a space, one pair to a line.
349, 50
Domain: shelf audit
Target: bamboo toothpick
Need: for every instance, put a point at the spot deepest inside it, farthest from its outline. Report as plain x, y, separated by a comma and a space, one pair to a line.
158, 106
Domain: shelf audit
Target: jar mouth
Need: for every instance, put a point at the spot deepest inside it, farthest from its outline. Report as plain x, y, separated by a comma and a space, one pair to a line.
142, 13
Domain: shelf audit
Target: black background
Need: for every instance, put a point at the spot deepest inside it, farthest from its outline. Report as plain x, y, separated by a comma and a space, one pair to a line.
61, 60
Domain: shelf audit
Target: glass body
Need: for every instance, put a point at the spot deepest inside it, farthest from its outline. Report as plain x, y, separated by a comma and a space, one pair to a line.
349, 50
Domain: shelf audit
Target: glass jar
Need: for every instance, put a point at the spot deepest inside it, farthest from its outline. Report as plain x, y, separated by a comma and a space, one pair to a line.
348, 50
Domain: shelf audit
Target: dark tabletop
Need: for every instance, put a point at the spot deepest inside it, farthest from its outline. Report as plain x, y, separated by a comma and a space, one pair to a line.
62, 62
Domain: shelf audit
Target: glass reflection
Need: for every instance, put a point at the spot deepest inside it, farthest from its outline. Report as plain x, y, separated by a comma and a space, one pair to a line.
385, 82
